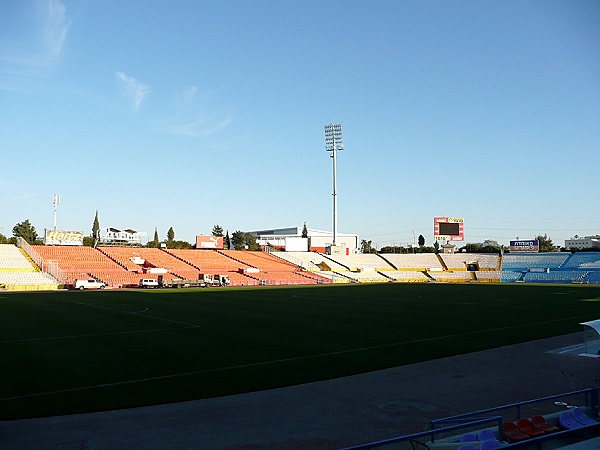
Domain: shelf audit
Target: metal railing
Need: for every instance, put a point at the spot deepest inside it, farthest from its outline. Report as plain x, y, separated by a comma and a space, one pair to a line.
50, 267
474, 419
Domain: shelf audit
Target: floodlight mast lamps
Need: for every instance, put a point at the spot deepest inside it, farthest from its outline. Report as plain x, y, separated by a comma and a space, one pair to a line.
55, 203
333, 143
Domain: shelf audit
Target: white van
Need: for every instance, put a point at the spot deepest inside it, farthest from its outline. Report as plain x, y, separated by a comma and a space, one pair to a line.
148, 283
88, 284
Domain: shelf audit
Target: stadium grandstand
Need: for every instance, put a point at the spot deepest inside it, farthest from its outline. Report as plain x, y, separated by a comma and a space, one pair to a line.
582, 267
19, 272
42, 267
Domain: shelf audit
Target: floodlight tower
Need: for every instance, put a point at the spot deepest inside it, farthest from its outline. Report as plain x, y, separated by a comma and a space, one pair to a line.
333, 143
55, 203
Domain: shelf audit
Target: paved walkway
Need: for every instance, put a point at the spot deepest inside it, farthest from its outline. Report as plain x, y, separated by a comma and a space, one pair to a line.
324, 415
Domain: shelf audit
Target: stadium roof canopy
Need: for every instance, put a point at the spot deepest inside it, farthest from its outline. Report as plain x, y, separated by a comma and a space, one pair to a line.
592, 337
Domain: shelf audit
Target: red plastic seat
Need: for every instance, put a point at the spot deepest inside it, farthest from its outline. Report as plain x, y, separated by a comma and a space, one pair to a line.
512, 433
528, 428
540, 422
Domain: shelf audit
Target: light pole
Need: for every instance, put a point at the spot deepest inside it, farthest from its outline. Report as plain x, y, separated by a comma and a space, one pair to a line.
55, 202
333, 143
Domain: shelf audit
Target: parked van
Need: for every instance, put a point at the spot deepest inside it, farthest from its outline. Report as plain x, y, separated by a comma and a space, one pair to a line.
88, 284
148, 283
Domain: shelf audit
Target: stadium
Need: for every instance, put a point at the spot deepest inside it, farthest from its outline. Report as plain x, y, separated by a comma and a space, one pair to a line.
49, 267
171, 332
181, 115
296, 321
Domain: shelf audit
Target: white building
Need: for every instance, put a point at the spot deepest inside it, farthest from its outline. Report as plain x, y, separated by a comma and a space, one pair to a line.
583, 242
289, 239
116, 236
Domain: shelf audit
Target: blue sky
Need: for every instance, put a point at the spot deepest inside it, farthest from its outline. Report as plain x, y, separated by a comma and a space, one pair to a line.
188, 114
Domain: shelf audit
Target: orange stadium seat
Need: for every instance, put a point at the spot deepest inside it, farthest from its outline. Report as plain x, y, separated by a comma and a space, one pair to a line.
153, 258
76, 261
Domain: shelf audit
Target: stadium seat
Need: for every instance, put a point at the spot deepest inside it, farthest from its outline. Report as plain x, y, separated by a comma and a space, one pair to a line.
524, 425
467, 447
581, 417
486, 435
468, 437
512, 433
540, 422
528, 428
567, 421
490, 444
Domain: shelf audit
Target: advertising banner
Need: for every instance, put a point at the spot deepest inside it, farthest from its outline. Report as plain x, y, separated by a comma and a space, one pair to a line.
525, 246
59, 237
212, 242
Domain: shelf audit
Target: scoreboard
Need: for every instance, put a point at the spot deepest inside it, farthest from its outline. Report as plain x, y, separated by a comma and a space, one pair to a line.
449, 228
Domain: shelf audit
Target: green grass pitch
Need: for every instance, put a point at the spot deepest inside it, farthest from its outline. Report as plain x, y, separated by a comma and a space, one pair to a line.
69, 352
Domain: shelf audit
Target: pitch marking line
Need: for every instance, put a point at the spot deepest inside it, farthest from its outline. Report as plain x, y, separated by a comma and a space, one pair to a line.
73, 336
135, 313
276, 361
132, 313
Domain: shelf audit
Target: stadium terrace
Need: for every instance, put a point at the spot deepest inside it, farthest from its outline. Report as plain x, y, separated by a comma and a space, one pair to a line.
46, 267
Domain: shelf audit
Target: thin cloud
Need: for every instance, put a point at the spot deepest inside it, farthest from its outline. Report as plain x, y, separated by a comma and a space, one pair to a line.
55, 27
189, 94
200, 127
30, 56
11, 191
132, 88
192, 116
7, 184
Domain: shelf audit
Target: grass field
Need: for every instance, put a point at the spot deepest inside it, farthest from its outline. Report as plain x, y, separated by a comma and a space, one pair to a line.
68, 352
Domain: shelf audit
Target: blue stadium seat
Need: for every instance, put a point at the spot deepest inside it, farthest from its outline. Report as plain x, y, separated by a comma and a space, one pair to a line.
567, 421
580, 417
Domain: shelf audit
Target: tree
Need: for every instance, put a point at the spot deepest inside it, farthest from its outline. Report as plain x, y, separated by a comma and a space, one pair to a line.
237, 240
404, 250
26, 231
244, 241
179, 244
421, 240
436, 245
479, 248
251, 242
366, 246
217, 231
90, 241
3, 239
392, 249
154, 243
227, 243
545, 243
304, 231
170, 235
95, 227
